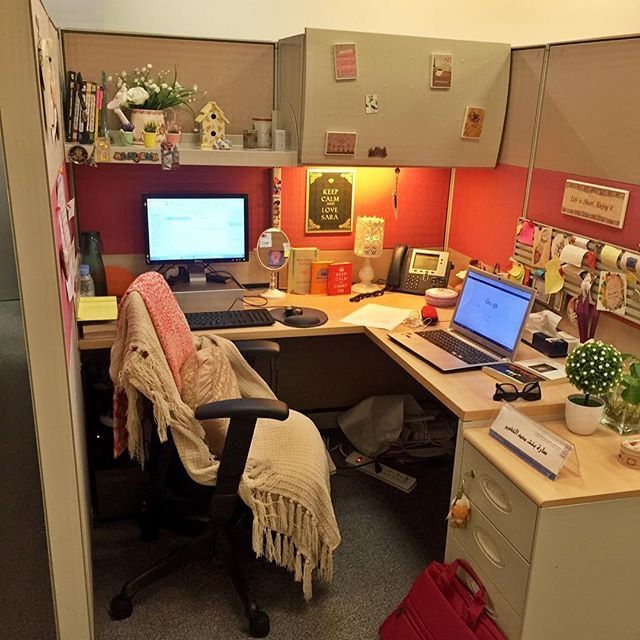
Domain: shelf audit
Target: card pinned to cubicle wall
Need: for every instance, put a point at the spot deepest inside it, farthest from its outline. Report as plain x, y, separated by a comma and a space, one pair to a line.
545, 451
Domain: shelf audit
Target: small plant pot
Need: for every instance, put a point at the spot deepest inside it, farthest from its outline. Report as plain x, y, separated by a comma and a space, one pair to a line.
583, 419
149, 139
126, 137
173, 138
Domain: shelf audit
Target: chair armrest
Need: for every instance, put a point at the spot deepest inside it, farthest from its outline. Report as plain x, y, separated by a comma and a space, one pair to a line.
244, 408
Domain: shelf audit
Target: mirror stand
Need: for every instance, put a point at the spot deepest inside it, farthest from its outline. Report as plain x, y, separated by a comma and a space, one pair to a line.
273, 293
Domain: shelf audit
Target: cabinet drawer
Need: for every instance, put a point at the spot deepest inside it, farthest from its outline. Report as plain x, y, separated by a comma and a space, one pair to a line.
502, 613
500, 500
491, 551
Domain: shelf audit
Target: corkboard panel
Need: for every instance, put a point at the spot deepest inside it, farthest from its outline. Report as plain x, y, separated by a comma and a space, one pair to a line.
237, 75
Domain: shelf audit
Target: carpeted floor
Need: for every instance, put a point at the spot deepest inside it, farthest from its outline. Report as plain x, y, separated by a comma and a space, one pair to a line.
388, 537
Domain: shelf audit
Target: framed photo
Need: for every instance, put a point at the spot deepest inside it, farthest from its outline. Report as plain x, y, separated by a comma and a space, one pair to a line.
340, 144
473, 123
441, 69
345, 61
594, 202
330, 200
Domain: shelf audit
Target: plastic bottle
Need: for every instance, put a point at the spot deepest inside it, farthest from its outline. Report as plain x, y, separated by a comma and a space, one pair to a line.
91, 249
87, 288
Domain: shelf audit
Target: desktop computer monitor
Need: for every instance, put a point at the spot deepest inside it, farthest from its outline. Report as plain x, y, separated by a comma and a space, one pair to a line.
181, 228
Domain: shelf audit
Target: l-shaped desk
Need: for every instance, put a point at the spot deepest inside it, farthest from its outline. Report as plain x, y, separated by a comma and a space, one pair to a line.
550, 553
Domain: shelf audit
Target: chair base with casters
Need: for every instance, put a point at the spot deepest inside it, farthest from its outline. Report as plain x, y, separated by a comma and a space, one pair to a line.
170, 493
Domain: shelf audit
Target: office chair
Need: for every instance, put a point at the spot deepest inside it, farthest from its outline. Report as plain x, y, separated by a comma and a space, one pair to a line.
171, 493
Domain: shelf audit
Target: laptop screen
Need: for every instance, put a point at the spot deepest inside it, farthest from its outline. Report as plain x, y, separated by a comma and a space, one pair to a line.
491, 309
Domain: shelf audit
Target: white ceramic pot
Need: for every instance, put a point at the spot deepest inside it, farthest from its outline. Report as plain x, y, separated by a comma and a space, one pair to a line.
140, 117
583, 419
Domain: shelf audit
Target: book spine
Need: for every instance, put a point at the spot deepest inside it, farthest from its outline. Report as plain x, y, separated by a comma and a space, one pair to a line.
88, 135
71, 97
82, 124
96, 127
77, 108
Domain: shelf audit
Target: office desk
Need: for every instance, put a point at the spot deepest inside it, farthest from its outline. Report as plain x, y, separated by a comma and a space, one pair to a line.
466, 394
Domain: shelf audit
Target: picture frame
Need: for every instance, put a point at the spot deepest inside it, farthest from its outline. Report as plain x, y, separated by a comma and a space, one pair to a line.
340, 143
441, 70
330, 200
345, 61
596, 203
473, 123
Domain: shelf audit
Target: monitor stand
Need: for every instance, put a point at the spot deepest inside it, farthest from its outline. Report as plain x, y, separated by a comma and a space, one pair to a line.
200, 295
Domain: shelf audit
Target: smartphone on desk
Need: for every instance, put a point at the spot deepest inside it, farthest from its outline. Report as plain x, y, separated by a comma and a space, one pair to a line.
414, 270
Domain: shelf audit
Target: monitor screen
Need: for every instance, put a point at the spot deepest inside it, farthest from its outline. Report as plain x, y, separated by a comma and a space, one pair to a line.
493, 310
202, 227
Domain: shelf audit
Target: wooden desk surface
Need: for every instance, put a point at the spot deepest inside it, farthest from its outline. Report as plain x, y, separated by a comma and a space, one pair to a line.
466, 394
602, 476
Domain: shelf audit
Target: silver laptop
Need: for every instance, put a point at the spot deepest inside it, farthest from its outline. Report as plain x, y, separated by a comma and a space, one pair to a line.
486, 327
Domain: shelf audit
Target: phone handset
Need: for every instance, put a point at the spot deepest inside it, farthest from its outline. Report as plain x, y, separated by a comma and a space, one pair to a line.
396, 267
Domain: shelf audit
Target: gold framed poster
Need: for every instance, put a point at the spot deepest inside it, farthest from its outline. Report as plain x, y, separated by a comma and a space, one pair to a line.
330, 197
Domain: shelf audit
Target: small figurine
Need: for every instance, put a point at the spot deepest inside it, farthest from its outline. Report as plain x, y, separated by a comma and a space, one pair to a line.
212, 126
460, 511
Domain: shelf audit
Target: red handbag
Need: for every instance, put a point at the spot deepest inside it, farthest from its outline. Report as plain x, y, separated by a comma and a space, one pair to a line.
440, 607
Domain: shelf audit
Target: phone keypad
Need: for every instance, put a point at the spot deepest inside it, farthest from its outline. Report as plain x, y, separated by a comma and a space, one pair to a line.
416, 282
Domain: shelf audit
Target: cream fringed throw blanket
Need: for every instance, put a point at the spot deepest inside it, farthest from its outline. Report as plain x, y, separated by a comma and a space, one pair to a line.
286, 481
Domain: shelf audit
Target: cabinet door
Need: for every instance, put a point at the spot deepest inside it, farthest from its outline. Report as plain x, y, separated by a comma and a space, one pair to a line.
415, 124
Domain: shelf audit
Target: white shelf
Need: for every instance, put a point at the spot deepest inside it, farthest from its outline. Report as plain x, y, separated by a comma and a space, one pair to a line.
192, 155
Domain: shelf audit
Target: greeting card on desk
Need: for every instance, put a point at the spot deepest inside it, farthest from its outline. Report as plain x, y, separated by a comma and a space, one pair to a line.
545, 451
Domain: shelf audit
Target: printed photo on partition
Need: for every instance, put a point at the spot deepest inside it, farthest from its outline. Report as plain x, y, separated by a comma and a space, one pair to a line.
612, 292
541, 246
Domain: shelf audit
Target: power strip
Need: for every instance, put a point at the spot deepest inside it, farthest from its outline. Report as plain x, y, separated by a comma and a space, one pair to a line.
395, 478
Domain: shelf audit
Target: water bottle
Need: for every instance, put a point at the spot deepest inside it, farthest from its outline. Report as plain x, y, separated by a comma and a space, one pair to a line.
91, 249
87, 288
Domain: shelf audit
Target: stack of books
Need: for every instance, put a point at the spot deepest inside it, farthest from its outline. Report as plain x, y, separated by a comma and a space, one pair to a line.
524, 371
307, 274
85, 106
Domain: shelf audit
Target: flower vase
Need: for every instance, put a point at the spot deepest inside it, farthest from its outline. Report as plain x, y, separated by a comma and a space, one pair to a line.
140, 117
620, 415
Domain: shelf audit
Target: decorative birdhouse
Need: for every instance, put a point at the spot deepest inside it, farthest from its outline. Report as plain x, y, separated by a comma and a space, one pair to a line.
212, 125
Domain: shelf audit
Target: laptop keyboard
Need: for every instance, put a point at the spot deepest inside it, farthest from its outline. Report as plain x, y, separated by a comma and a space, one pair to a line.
458, 348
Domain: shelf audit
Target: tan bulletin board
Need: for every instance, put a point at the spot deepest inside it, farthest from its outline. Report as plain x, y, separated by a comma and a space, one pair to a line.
237, 75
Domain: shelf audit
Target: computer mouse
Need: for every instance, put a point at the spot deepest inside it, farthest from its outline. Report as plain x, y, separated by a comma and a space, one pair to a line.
292, 311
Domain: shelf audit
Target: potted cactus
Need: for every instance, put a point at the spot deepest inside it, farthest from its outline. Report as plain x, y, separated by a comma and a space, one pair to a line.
594, 368
150, 133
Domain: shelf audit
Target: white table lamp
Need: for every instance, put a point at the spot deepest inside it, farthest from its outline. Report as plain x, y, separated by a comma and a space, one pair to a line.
368, 244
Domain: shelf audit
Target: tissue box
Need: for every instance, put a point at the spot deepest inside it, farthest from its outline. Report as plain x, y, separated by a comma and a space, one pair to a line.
552, 347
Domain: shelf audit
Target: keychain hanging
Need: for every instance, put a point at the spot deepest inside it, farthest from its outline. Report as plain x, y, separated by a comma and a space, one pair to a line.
394, 195
460, 510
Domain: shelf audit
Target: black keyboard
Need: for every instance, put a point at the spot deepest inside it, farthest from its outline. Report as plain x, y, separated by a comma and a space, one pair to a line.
229, 319
458, 348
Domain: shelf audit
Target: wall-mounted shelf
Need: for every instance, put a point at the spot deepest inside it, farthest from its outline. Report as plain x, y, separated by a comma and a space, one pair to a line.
192, 155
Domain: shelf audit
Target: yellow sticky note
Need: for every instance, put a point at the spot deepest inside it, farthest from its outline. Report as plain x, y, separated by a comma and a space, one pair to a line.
609, 257
553, 279
94, 308
516, 273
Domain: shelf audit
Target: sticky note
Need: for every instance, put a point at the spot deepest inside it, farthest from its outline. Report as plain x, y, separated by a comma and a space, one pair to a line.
553, 278
525, 235
96, 308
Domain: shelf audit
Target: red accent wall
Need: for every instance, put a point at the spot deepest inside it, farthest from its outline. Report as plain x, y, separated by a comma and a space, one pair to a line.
486, 207
488, 202
108, 199
547, 190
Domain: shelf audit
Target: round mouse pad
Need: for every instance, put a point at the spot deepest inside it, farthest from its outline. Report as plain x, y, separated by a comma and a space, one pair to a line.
309, 317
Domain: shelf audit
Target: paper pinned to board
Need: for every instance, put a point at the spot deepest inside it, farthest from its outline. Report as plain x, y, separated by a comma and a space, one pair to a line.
97, 308
612, 292
558, 244
572, 254
553, 278
630, 261
581, 242
525, 234
609, 257
378, 316
541, 246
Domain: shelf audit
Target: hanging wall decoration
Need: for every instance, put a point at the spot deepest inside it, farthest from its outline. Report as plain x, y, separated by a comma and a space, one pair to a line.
330, 195
473, 122
597, 203
345, 61
441, 70
340, 144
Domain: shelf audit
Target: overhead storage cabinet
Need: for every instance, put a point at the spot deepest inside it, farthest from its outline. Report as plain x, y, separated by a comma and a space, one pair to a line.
417, 125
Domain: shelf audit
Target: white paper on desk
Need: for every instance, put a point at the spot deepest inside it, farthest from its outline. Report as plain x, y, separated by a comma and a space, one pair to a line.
378, 316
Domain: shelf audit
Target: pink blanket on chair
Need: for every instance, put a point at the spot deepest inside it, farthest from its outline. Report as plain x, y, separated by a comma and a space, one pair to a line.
173, 333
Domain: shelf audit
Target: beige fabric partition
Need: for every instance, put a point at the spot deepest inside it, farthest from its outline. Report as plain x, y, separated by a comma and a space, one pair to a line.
589, 124
237, 75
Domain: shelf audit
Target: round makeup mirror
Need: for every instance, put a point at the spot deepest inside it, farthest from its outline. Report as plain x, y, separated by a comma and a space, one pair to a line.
273, 254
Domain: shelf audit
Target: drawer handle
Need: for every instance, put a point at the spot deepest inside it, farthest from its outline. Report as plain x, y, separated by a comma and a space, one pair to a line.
488, 547
495, 494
